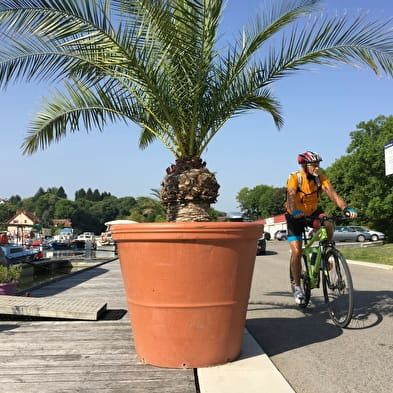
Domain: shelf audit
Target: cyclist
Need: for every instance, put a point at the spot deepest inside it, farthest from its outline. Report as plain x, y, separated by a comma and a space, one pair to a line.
303, 191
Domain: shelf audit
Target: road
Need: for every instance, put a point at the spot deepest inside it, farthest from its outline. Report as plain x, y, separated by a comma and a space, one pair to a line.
312, 353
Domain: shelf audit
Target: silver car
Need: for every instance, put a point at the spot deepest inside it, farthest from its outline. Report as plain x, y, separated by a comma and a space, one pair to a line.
350, 234
375, 235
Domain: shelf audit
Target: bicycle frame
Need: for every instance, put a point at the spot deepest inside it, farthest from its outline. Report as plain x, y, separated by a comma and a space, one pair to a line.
308, 246
320, 254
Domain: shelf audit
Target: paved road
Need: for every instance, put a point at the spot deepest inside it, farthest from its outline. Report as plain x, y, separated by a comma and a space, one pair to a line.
312, 353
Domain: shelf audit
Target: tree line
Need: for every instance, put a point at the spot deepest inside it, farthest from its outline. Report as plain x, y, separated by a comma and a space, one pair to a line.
359, 177
89, 210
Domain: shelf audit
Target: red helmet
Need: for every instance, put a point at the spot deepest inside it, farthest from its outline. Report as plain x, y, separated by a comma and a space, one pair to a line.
308, 157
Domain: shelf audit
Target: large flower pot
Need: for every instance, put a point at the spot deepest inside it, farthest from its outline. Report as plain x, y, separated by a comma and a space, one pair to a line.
187, 287
8, 288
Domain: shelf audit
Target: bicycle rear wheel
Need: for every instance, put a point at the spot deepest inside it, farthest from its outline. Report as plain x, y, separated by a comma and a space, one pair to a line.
304, 283
337, 287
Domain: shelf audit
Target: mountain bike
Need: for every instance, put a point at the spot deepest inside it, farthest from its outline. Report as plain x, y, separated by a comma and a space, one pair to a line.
320, 255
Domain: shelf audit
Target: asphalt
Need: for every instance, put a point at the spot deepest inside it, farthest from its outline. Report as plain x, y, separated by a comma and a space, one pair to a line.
253, 371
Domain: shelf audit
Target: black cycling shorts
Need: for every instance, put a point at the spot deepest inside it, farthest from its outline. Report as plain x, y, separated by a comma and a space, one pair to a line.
295, 227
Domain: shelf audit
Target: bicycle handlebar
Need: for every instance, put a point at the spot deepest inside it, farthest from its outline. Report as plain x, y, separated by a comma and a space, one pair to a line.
335, 217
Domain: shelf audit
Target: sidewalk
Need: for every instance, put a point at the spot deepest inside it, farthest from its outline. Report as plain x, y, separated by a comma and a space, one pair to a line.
253, 372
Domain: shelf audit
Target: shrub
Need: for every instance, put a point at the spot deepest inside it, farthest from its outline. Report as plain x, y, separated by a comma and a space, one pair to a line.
10, 273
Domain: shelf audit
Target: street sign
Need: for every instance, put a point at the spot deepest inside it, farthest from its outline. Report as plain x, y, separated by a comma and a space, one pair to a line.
389, 159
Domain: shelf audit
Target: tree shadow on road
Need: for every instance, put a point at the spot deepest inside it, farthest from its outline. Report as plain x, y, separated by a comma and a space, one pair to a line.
370, 308
287, 327
281, 334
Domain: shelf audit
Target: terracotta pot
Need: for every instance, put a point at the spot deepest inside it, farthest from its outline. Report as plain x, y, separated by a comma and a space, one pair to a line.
187, 287
8, 288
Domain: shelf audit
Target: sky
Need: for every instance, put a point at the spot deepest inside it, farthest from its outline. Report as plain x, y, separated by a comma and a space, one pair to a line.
320, 108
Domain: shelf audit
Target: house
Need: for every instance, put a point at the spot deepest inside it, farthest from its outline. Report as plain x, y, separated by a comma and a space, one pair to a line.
21, 224
273, 224
64, 222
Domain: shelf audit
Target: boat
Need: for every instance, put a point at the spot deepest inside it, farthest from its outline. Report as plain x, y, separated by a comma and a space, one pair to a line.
59, 245
15, 253
82, 244
106, 237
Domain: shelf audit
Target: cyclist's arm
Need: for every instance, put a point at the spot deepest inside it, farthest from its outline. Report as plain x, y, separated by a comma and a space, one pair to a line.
291, 196
334, 197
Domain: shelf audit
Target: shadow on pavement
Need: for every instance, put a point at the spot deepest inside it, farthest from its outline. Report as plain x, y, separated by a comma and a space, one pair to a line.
280, 334
370, 307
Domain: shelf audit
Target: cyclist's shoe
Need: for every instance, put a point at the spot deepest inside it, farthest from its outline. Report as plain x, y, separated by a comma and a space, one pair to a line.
299, 296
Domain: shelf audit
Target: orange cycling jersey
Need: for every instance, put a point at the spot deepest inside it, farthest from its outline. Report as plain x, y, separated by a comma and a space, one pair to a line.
307, 195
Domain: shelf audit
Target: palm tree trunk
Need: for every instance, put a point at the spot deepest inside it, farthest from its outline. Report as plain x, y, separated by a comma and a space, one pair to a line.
188, 189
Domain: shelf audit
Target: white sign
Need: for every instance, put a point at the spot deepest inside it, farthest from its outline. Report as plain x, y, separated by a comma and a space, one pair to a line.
389, 159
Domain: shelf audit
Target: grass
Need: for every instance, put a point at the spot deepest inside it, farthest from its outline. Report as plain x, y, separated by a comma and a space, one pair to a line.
378, 254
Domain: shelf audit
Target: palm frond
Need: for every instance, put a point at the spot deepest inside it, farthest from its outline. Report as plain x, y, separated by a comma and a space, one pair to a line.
330, 42
156, 63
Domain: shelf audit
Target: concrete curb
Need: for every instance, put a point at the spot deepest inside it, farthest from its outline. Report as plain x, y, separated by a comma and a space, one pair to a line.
371, 264
253, 372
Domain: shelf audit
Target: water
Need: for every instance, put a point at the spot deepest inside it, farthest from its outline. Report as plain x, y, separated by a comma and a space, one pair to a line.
60, 263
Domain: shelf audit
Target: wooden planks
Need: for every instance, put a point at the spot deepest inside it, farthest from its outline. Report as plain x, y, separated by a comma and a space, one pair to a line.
51, 307
82, 356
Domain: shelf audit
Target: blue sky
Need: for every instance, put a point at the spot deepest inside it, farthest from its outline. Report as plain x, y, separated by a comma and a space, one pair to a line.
320, 109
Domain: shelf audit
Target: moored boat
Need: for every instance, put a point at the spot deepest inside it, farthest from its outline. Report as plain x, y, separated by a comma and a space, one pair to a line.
16, 253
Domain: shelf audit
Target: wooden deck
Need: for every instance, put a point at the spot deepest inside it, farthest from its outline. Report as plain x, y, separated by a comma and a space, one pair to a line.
56, 356
52, 307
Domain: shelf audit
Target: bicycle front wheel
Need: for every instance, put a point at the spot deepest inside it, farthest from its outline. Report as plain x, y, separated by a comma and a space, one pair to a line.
337, 287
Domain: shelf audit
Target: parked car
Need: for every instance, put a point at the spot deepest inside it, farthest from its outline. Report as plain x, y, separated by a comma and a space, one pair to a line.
235, 217
351, 234
261, 246
281, 234
375, 235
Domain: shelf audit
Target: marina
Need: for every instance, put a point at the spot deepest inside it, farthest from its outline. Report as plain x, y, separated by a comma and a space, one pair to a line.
56, 264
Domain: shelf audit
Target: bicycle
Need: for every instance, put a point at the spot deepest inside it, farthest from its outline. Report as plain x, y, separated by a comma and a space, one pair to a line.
336, 276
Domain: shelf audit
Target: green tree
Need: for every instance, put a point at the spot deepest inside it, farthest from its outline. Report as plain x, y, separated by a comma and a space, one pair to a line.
44, 207
96, 196
7, 210
360, 175
64, 209
39, 193
80, 194
156, 63
61, 193
15, 200
105, 210
89, 194
147, 210
261, 201
125, 205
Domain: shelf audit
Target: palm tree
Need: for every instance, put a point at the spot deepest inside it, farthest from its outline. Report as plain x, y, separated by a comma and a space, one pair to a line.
156, 63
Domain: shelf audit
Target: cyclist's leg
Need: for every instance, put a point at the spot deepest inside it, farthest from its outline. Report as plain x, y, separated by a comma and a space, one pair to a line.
295, 259
295, 229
